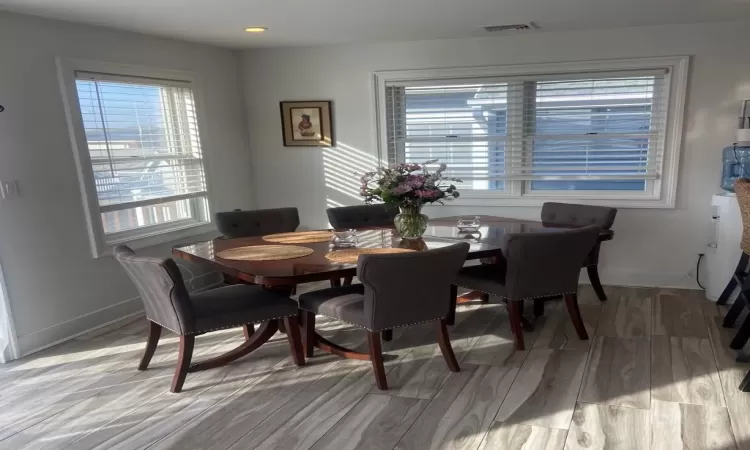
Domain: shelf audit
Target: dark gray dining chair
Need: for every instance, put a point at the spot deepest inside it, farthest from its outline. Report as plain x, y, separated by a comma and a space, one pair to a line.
397, 290
169, 305
574, 216
239, 223
362, 216
537, 265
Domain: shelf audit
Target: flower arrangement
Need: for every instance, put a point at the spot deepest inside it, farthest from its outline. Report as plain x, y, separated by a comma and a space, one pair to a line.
409, 186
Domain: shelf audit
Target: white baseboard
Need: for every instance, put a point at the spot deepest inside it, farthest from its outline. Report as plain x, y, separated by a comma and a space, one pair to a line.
642, 279
56, 334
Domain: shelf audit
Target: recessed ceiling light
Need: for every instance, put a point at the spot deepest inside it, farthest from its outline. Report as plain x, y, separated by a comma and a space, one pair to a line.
255, 29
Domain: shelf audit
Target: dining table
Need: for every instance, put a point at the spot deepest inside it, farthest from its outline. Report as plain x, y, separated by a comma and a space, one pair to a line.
485, 243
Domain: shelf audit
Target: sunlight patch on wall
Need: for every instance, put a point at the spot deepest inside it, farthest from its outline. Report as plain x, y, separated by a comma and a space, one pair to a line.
343, 165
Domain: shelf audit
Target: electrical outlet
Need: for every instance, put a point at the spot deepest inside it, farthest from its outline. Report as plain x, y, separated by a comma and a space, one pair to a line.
9, 189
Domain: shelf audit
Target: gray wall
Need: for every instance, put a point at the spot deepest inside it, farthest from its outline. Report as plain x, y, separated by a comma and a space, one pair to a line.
56, 288
655, 247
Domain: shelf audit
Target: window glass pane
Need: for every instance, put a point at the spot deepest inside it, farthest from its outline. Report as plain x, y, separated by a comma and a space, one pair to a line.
463, 126
144, 145
616, 114
146, 216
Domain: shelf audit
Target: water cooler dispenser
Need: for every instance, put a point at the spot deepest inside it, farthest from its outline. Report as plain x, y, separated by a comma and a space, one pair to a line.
722, 257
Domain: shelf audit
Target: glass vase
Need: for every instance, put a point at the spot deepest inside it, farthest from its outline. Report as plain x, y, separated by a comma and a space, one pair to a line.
410, 222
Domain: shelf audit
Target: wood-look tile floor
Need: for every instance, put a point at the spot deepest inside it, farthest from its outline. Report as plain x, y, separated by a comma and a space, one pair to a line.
656, 374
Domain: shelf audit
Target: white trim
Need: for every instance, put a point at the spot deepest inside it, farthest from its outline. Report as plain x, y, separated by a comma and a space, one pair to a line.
665, 188
71, 329
99, 242
11, 352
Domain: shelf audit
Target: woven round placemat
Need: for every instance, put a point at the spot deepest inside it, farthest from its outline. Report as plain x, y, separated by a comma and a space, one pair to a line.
350, 256
265, 252
299, 237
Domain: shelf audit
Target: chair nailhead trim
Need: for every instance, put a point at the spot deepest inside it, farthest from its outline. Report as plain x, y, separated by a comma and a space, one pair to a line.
241, 324
517, 299
216, 329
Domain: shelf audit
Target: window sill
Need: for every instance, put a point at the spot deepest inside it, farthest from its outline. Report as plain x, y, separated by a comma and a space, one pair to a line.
499, 200
156, 238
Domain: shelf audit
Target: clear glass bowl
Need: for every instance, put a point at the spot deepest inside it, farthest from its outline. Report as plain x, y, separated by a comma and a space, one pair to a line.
468, 225
344, 238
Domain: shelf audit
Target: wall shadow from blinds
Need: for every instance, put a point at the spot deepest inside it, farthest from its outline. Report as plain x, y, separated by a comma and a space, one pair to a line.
341, 164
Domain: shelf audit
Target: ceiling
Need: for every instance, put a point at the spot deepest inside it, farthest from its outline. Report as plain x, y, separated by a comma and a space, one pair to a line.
319, 22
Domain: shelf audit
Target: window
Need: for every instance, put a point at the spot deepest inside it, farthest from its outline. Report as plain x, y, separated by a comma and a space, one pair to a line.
607, 131
139, 153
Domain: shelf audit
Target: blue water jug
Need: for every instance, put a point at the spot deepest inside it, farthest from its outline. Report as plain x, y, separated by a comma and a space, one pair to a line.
736, 159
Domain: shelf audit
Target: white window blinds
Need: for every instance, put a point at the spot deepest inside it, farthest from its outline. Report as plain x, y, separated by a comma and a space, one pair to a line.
599, 126
143, 140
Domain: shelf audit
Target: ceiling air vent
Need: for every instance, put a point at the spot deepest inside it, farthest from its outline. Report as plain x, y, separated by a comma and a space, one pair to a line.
514, 27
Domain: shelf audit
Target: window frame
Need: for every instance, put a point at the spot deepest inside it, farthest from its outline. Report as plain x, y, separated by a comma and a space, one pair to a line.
101, 243
663, 190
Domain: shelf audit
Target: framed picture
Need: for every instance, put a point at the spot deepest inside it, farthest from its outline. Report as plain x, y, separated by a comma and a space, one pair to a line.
307, 124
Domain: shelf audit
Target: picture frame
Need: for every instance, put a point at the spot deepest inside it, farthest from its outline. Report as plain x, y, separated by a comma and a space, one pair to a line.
306, 123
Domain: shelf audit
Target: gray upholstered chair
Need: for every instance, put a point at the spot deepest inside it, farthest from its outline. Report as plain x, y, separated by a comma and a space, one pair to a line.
169, 305
362, 216
539, 264
238, 223
397, 290
573, 215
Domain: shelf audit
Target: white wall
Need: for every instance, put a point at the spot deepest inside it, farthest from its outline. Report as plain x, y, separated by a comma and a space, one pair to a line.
652, 247
56, 288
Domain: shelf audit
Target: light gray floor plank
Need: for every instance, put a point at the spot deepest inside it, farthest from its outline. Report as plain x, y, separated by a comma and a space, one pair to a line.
627, 314
676, 426
561, 335
423, 370
607, 427
375, 423
87, 394
462, 411
522, 437
683, 370
228, 420
676, 315
299, 423
149, 423
545, 390
731, 374
497, 346
617, 373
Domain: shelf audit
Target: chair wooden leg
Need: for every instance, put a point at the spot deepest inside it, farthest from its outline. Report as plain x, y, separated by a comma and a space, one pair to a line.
248, 330
538, 307
376, 356
445, 346
745, 384
743, 334
734, 312
387, 335
295, 341
571, 301
593, 272
740, 269
309, 340
514, 311
451, 319
335, 282
154, 333
183, 362
348, 281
